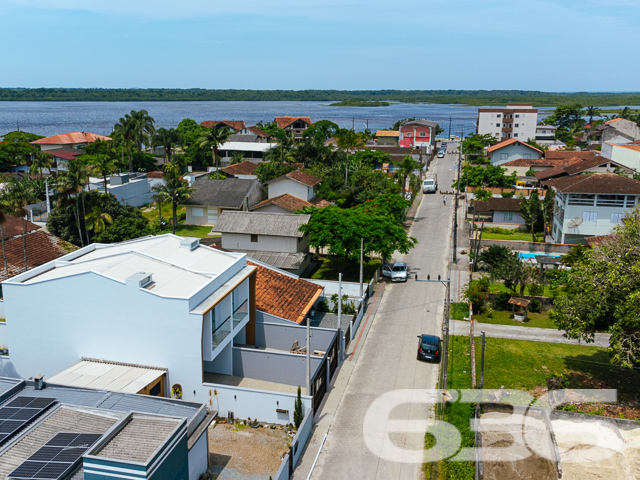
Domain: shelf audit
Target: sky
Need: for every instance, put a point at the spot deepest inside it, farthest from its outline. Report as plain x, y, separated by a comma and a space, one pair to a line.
552, 45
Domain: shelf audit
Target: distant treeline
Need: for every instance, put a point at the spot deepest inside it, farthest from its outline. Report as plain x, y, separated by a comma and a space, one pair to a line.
465, 97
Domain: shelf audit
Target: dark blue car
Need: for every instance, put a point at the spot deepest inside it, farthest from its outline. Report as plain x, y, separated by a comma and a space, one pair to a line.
429, 347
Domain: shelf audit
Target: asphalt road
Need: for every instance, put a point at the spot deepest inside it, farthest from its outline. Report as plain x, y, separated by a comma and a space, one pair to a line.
387, 361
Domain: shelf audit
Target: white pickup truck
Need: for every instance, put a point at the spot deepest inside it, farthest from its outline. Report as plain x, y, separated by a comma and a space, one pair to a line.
430, 184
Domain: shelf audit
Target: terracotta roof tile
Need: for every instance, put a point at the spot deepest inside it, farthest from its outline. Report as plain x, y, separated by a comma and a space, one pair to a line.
511, 141
66, 154
286, 201
284, 122
42, 247
499, 204
155, 174
12, 226
556, 171
564, 154
284, 296
301, 177
605, 183
597, 241
242, 168
258, 131
388, 133
630, 147
233, 124
70, 138
319, 202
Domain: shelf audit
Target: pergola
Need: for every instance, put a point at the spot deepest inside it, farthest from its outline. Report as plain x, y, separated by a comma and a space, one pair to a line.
523, 308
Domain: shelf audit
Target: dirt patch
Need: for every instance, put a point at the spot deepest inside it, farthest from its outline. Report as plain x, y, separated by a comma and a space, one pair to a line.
241, 452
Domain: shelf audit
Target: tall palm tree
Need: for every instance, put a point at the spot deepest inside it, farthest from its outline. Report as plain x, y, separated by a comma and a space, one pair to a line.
41, 160
212, 138
102, 166
143, 127
160, 197
97, 220
20, 195
169, 138
71, 184
174, 189
348, 141
592, 112
407, 167
124, 133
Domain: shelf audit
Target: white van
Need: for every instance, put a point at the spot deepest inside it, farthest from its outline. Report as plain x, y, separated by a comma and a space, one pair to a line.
430, 184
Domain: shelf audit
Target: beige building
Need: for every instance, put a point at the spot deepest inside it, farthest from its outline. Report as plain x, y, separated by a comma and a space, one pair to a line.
513, 121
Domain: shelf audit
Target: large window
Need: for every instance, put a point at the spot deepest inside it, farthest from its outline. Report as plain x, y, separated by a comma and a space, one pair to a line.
631, 201
582, 199
610, 201
508, 216
590, 216
197, 212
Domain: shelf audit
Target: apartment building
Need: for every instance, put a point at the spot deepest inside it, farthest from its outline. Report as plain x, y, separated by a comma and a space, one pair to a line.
513, 121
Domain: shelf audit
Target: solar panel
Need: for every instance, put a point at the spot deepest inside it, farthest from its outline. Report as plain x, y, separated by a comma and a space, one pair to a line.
57, 458
19, 412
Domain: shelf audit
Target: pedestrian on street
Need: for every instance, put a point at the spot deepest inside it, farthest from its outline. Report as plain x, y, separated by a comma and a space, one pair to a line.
444, 200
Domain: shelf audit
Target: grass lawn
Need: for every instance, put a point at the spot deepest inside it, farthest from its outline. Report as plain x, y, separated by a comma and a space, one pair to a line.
198, 231
150, 212
498, 287
521, 236
459, 310
329, 270
502, 317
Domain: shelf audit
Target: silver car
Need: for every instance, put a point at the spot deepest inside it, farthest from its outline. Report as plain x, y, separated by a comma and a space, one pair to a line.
396, 272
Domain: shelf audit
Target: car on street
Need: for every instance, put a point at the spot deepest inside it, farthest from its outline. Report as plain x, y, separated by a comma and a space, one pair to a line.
441, 154
429, 347
396, 272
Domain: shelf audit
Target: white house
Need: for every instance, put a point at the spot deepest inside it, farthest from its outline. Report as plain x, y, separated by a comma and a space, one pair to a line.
170, 303
590, 205
500, 210
71, 141
627, 155
129, 188
253, 151
514, 121
296, 183
511, 149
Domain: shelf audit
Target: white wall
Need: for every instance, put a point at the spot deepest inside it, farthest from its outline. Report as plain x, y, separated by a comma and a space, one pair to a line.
499, 217
352, 289
512, 152
291, 187
625, 156
198, 457
265, 243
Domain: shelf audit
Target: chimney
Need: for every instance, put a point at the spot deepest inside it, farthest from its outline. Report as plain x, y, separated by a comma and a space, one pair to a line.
38, 382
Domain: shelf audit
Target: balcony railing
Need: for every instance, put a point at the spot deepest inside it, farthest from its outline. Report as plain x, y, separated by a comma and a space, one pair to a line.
240, 313
221, 332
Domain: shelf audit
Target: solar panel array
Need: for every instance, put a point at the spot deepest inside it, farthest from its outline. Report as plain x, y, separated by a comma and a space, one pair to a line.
57, 458
17, 413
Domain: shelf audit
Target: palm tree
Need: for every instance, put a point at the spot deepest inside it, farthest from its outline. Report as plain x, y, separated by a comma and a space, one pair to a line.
174, 189
160, 197
71, 185
97, 221
41, 160
123, 133
214, 137
169, 138
20, 195
237, 157
348, 141
626, 113
143, 126
4, 210
102, 166
592, 112
406, 170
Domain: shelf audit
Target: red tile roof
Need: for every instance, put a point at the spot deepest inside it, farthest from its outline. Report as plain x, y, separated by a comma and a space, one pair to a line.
531, 162
42, 247
155, 174
499, 204
233, 124
291, 203
70, 138
284, 296
299, 176
576, 166
630, 147
258, 131
284, 122
65, 154
511, 141
605, 183
12, 226
564, 154
242, 168
597, 241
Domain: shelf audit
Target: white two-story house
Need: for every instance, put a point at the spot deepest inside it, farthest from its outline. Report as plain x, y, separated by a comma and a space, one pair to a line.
296, 183
590, 205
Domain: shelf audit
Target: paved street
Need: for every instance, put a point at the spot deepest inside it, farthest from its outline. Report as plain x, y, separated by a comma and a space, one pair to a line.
531, 334
387, 359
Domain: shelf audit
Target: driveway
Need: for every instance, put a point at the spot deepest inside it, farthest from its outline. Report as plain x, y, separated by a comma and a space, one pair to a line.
387, 359
531, 334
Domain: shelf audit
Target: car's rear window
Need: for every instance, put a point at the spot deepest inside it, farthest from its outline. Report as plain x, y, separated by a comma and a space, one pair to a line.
429, 342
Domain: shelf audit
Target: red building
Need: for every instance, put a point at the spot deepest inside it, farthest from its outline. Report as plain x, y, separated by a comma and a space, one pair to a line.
418, 133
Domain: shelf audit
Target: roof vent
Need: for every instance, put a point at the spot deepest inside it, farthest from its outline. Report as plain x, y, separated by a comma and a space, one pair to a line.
38, 382
190, 243
139, 280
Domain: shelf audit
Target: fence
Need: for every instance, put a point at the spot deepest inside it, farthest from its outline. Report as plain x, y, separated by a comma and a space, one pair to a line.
298, 443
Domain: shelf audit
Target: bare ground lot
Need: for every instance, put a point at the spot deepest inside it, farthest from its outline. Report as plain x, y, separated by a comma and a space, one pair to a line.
239, 452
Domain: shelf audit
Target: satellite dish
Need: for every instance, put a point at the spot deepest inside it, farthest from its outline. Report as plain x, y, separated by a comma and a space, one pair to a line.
574, 222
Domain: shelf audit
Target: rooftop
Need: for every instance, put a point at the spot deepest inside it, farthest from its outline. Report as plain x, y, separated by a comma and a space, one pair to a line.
247, 146
291, 203
499, 204
388, 133
603, 183
70, 138
287, 261
426, 123
634, 147
233, 124
229, 193
300, 177
12, 226
576, 166
543, 162
283, 295
262, 223
284, 122
565, 154
242, 168
258, 131
511, 141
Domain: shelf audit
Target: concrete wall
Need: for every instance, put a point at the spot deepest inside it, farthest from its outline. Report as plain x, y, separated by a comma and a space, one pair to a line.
198, 457
625, 156
286, 185
499, 217
257, 404
265, 243
282, 337
272, 366
554, 248
352, 289
512, 152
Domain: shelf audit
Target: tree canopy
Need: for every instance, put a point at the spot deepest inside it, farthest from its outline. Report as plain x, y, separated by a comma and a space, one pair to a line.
489, 176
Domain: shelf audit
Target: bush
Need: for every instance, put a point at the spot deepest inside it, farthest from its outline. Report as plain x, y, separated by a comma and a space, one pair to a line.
501, 301
476, 293
535, 305
482, 195
508, 194
536, 290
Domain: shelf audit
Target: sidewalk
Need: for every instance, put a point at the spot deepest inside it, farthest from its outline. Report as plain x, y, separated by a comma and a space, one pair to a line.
324, 418
460, 270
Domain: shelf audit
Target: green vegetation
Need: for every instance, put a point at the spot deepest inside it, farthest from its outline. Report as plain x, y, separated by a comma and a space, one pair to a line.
459, 310
514, 235
359, 103
489, 176
329, 268
467, 97
503, 317
198, 231
497, 287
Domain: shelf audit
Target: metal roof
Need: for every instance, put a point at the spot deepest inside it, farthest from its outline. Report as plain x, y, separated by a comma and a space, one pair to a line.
289, 261
262, 223
247, 146
104, 375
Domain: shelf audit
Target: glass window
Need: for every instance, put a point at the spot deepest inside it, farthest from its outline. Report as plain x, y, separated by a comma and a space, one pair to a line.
197, 212
616, 217
517, 116
581, 199
498, 115
631, 201
515, 134
590, 216
517, 125
504, 156
497, 124
423, 134
508, 216
254, 238
610, 201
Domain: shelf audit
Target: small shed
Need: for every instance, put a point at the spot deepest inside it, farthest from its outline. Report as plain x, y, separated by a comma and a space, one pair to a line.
523, 308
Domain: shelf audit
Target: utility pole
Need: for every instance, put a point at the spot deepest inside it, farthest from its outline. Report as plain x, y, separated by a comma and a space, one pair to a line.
455, 207
449, 137
340, 338
473, 347
308, 372
445, 325
484, 343
361, 267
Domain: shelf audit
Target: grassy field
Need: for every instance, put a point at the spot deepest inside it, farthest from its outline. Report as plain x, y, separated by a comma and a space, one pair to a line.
501, 317
459, 311
150, 212
329, 270
520, 236
198, 231
498, 287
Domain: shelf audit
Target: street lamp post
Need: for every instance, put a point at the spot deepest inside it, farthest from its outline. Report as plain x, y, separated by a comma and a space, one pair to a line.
445, 324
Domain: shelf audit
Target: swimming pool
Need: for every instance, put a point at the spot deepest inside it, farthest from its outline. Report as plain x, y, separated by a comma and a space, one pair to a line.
531, 256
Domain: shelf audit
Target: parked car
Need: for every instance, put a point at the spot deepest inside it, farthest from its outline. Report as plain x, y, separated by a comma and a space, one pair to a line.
396, 272
429, 347
441, 154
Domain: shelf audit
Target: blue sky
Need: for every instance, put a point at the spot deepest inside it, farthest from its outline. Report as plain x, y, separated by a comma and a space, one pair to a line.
553, 45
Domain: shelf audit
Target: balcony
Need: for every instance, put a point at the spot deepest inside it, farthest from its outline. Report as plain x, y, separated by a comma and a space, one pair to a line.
507, 130
221, 332
240, 313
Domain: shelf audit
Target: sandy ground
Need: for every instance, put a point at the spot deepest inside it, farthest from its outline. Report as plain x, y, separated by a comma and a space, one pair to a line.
244, 453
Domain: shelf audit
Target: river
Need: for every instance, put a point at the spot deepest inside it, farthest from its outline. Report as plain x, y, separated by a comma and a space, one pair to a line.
50, 118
